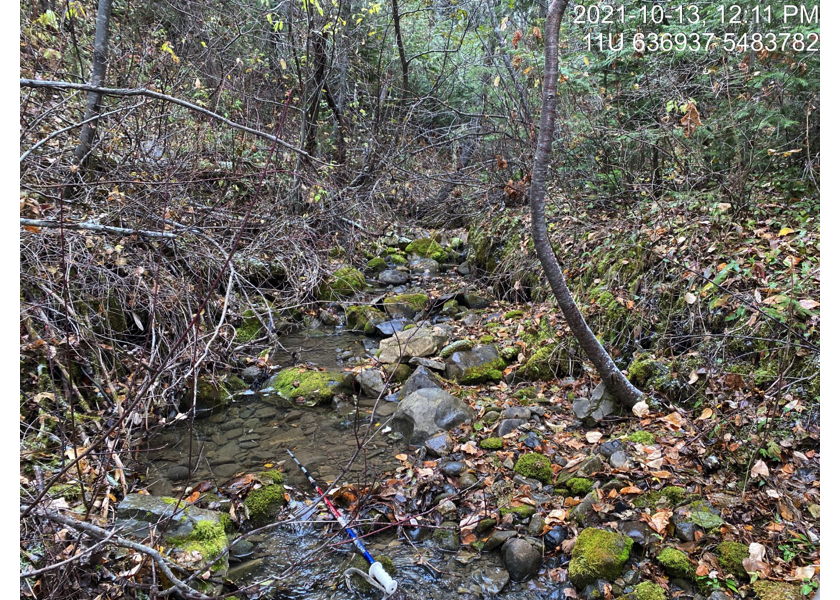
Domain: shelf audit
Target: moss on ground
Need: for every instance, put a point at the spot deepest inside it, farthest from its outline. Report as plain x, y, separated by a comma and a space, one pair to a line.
263, 503
208, 538
642, 437
598, 554
427, 248
647, 590
535, 466
776, 590
523, 512
486, 339
492, 443
417, 302
514, 314
676, 563
730, 555
545, 364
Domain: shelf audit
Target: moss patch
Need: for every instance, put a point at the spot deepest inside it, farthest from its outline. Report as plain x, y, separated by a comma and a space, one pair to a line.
427, 248
730, 555
491, 371
534, 465
514, 314
251, 327
376, 265
775, 590
418, 302
359, 583
492, 443
522, 512
263, 503
344, 282
579, 486
398, 260
642, 437
547, 363
676, 563
208, 539
598, 554
212, 394
647, 590
363, 318
486, 339
316, 387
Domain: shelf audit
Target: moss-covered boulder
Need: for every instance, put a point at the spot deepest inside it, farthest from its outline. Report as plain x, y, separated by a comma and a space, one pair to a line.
406, 305
676, 563
376, 265
211, 394
202, 546
315, 387
731, 556
523, 513
598, 554
263, 503
343, 283
535, 466
579, 486
776, 590
363, 318
427, 248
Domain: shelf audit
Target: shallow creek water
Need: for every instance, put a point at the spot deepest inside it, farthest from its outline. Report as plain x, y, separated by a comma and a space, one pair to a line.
257, 428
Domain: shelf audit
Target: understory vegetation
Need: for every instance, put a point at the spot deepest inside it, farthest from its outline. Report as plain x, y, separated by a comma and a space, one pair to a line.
210, 177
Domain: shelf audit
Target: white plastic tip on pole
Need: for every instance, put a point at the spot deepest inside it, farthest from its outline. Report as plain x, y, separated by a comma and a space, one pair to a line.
378, 573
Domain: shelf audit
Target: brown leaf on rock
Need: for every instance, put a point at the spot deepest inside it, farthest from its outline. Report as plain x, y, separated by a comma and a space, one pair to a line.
659, 521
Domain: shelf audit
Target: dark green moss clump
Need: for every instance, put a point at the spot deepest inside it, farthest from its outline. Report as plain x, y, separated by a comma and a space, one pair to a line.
344, 282
492, 443
579, 486
647, 590
376, 265
275, 476
598, 554
534, 465
514, 314
730, 555
676, 563
208, 539
250, 328
263, 503
522, 512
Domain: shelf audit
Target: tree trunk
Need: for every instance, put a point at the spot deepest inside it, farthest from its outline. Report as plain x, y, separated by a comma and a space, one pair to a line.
401, 50
97, 78
615, 381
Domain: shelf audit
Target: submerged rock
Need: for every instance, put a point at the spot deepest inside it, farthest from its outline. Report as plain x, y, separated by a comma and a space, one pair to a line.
425, 412
492, 581
211, 394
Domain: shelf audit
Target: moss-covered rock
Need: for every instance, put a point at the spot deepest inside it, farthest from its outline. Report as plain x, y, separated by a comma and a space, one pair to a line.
579, 486
523, 512
776, 590
647, 590
401, 372
363, 318
209, 540
406, 304
509, 353
315, 387
344, 282
534, 465
376, 265
647, 372
676, 563
730, 555
492, 443
642, 437
263, 503
598, 554
456, 346
547, 363
212, 394
427, 248
486, 339
397, 260
250, 328
514, 314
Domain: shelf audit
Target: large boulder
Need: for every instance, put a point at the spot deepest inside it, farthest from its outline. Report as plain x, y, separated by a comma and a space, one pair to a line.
406, 344
371, 382
314, 387
422, 378
598, 554
425, 412
392, 277
475, 366
424, 265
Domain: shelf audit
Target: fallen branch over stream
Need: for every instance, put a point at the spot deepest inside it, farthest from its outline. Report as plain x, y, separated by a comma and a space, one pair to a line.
95, 227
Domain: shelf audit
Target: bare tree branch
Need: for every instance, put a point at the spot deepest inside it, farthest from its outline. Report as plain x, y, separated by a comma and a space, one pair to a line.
96, 227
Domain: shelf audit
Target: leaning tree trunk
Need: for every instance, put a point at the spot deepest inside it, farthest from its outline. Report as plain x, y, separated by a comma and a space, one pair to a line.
97, 78
615, 381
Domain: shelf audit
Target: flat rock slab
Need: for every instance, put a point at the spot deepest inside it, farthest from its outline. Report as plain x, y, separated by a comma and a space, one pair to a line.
429, 363
425, 412
138, 512
405, 345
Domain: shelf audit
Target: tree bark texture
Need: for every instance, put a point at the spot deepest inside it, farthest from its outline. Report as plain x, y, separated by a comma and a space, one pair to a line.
615, 381
97, 78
